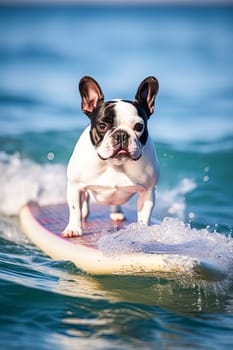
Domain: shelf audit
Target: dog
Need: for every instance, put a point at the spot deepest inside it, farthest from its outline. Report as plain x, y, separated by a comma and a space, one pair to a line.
114, 157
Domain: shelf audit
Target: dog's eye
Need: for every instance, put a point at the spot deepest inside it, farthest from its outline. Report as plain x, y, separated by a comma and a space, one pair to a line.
138, 127
102, 127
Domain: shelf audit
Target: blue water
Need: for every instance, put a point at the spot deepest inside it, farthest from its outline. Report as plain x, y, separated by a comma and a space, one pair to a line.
44, 51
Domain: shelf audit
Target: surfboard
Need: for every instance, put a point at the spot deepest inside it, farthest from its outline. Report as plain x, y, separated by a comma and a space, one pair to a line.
43, 226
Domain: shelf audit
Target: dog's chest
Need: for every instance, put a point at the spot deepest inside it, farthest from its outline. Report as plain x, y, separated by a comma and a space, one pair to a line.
111, 187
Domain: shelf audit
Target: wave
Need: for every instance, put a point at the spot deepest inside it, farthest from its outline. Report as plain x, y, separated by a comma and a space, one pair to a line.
23, 180
170, 236
31, 52
19, 100
194, 132
217, 145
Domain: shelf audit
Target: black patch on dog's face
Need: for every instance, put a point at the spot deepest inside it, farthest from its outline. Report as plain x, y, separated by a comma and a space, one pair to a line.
103, 118
142, 113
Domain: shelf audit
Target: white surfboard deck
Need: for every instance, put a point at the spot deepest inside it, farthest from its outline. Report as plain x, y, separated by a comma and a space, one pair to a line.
43, 226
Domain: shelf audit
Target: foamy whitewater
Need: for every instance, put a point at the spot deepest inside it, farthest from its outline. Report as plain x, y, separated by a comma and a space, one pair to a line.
26, 181
172, 236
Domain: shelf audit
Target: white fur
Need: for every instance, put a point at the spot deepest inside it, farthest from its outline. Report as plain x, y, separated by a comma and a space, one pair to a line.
114, 180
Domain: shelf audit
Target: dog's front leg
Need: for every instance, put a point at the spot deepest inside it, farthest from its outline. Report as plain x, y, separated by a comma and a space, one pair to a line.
74, 199
145, 205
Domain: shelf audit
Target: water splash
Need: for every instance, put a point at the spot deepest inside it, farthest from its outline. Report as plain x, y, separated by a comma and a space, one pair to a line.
23, 180
172, 202
172, 236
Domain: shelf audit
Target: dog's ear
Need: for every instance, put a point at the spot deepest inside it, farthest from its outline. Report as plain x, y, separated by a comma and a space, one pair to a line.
146, 94
91, 94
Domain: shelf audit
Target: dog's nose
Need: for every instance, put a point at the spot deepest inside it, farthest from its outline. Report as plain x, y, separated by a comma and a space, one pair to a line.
121, 137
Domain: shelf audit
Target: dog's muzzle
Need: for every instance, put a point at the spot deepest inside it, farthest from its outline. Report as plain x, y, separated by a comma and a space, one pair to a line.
123, 145
120, 145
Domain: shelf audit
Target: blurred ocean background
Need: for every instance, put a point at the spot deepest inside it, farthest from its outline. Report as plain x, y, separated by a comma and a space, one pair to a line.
44, 51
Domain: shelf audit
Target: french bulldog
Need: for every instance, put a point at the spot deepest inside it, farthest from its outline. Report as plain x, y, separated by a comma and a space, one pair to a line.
114, 157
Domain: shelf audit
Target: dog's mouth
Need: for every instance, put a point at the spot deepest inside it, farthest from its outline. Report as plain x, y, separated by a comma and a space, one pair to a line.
124, 154
121, 154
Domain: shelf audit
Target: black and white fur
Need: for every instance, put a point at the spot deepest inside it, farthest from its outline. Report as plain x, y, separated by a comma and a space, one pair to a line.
114, 156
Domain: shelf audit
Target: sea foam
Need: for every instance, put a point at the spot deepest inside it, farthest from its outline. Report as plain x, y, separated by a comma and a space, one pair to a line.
170, 236
23, 180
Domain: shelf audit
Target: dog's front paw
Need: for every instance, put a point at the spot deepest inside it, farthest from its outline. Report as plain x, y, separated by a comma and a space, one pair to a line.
69, 233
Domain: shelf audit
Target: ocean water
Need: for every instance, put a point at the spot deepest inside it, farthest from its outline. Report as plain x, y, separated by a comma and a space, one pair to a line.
44, 51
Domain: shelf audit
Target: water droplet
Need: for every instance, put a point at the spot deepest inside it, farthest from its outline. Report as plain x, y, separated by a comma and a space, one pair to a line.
50, 155
206, 178
191, 215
